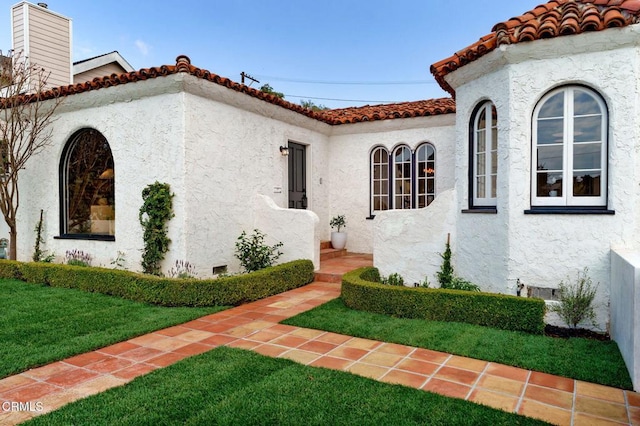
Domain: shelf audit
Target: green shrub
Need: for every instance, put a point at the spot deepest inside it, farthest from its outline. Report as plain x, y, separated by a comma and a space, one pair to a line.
576, 301
253, 253
152, 289
487, 309
393, 279
338, 222
458, 283
447, 277
156, 210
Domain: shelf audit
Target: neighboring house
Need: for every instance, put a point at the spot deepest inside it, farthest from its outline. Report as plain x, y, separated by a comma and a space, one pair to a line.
99, 66
533, 170
45, 38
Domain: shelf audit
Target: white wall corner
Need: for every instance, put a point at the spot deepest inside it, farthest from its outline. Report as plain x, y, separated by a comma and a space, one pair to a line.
625, 302
298, 230
409, 242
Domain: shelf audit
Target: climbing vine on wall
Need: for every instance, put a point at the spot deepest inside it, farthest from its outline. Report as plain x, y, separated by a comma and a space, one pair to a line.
156, 210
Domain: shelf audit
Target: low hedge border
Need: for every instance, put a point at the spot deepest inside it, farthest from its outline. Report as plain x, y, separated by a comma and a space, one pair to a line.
225, 291
361, 291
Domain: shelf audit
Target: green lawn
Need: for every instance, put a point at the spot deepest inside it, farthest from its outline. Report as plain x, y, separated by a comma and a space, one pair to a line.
39, 324
231, 386
582, 359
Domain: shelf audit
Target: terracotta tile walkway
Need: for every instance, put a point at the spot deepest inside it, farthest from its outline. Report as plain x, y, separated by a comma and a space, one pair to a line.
254, 326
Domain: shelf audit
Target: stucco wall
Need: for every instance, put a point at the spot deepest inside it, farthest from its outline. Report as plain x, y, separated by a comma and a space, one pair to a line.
542, 250
230, 156
349, 167
215, 155
142, 134
301, 241
409, 242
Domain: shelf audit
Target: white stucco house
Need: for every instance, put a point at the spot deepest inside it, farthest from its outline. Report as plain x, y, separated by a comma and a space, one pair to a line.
532, 166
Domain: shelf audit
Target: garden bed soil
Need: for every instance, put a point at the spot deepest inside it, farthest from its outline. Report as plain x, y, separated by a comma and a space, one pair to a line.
562, 332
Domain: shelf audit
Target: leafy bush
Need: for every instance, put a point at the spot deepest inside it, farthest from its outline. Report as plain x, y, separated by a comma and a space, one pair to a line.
233, 290
424, 284
254, 254
576, 300
156, 210
458, 283
338, 222
393, 279
493, 310
77, 258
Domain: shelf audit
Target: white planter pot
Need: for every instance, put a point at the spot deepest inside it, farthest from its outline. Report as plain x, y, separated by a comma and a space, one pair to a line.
338, 240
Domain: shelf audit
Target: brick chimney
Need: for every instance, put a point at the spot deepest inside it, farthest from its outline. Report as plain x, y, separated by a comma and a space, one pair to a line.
43, 37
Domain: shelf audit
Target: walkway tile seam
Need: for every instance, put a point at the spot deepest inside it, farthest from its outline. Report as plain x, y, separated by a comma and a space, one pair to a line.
627, 405
98, 374
405, 357
573, 401
577, 412
475, 384
394, 366
524, 391
425, 381
282, 355
41, 380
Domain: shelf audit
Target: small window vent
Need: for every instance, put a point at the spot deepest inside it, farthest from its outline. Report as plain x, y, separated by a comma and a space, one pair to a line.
217, 270
543, 293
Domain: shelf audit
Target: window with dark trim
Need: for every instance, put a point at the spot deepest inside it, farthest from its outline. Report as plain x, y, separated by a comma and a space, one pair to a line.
569, 149
402, 179
483, 159
87, 186
379, 179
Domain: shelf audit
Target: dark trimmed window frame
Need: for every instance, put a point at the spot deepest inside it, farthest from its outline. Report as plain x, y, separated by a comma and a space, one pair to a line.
99, 182
428, 176
482, 204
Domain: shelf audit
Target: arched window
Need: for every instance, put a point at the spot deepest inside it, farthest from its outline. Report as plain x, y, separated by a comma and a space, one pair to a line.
87, 182
402, 178
379, 179
425, 175
569, 152
484, 157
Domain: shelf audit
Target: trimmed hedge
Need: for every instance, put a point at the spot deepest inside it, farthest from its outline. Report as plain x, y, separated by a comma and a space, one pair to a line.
233, 290
361, 292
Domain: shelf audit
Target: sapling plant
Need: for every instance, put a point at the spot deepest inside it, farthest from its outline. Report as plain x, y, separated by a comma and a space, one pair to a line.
576, 300
253, 253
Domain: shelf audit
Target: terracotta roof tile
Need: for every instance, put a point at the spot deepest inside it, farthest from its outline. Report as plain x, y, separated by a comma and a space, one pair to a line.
390, 111
553, 19
183, 64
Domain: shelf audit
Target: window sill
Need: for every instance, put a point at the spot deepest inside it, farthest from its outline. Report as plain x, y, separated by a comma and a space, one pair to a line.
94, 237
569, 210
481, 210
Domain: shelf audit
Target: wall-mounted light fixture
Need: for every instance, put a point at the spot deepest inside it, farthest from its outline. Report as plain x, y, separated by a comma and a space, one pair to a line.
284, 150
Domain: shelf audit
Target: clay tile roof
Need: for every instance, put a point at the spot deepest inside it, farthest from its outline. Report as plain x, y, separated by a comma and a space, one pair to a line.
183, 65
553, 19
390, 111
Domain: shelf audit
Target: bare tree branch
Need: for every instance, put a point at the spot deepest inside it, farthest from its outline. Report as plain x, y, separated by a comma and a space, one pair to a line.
27, 111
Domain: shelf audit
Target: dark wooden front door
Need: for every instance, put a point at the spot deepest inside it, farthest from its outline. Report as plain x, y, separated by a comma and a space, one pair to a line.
297, 176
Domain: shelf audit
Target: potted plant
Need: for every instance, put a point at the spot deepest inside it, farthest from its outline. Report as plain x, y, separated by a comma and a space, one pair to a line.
338, 239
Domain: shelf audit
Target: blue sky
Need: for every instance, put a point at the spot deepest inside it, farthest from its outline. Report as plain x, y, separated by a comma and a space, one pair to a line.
296, 46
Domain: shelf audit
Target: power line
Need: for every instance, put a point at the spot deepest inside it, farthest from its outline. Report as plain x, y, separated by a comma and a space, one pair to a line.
341, 100
351, 83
